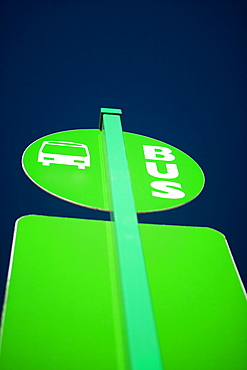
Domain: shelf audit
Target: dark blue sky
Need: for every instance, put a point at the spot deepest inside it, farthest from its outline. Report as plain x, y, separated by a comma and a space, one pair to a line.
177, 69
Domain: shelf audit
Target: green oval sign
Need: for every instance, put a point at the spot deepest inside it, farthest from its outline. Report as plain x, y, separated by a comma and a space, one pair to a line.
72, 166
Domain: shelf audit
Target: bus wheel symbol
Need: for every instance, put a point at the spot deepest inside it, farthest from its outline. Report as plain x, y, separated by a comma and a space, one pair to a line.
64, 152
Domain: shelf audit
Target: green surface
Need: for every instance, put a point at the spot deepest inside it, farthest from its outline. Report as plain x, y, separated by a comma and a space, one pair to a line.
63, 308
88, 186
143, 346
199, 303
111, 111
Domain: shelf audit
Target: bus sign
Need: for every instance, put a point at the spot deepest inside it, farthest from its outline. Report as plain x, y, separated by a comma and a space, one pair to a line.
162, 176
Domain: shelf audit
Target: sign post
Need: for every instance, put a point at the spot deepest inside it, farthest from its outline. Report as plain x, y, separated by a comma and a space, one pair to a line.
118, 295
140, 324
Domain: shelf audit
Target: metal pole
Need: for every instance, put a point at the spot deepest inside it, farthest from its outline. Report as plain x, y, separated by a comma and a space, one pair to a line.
143, 346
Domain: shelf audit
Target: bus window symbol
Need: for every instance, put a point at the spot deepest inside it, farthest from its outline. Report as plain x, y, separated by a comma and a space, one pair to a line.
64, 152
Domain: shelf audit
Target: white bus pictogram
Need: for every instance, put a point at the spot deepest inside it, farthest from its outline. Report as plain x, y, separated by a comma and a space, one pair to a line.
64, 152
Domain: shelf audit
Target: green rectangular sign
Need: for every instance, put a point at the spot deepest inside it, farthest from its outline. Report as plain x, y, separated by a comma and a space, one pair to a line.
63, 308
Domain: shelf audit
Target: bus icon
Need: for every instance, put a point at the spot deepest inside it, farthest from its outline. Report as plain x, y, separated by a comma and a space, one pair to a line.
64, 152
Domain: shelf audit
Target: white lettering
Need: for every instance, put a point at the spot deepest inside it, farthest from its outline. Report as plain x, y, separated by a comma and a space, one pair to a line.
167, 187
158, 153
172, 170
